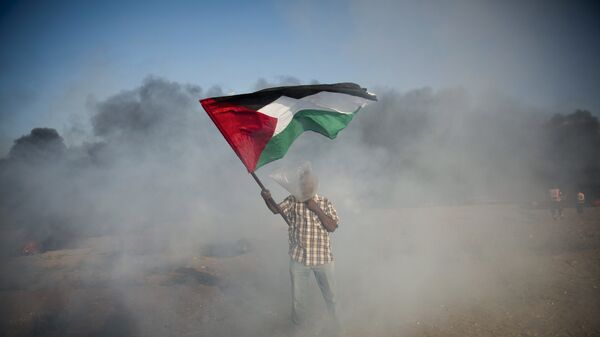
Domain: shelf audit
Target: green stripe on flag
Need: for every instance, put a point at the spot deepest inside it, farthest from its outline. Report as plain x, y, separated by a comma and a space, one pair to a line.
327, 123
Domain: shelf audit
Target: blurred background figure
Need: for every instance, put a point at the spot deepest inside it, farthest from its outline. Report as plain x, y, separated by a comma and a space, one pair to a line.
31, 248
580, 202
556, 197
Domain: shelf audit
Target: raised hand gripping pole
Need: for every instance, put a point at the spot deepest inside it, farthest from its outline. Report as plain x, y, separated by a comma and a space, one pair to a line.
262, 187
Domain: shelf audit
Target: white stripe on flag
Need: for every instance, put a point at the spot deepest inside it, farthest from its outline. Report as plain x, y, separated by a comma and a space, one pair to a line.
284, 108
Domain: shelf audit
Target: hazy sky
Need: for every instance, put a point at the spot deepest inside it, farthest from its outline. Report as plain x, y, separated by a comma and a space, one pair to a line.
57, 55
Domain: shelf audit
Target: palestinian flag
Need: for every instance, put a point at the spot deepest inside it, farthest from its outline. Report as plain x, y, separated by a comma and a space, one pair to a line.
261, 126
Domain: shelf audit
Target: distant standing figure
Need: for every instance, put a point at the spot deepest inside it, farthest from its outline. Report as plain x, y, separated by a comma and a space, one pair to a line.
580, 202
556, 197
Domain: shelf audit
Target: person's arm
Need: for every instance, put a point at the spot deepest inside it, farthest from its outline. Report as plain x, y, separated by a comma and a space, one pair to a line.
271, 204
328, 222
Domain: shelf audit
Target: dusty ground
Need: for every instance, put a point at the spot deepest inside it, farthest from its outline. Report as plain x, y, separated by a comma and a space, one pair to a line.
461, 271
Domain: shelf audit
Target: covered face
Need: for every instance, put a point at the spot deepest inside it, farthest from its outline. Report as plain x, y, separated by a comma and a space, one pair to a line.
308, 184
302, 183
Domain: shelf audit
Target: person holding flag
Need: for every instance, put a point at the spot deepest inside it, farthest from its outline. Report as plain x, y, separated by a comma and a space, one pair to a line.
312, 218
260, 127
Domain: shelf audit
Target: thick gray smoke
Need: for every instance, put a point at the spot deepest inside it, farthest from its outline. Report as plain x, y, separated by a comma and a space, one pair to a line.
154, 158
571, 149
156, 168
42, 144
457, 148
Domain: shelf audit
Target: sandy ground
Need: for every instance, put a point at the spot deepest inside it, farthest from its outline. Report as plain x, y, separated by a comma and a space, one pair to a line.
460, 271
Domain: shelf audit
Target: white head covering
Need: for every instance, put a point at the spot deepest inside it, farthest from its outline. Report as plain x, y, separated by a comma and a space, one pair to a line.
301, 182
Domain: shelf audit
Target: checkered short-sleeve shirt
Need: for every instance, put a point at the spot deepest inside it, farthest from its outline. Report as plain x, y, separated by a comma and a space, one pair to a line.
308, 238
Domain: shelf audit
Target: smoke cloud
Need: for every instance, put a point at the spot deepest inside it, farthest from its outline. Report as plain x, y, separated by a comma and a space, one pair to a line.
157, 174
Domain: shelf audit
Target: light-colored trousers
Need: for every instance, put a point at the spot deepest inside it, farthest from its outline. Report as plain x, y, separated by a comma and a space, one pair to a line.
300, 275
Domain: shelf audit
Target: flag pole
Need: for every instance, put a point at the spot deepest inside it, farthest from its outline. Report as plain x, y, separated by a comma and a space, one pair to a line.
262, 187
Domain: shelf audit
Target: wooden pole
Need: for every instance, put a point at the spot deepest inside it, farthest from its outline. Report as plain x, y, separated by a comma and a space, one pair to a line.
262, 187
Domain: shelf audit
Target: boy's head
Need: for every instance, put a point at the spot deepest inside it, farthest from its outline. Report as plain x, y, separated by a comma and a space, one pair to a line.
307, 181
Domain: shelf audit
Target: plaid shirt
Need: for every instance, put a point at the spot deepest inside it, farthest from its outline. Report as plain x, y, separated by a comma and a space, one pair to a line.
308, 238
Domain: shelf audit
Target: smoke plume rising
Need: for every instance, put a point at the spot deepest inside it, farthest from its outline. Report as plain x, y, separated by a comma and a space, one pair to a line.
156, 168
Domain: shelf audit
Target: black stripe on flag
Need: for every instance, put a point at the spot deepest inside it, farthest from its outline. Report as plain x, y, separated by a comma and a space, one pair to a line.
259, 99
